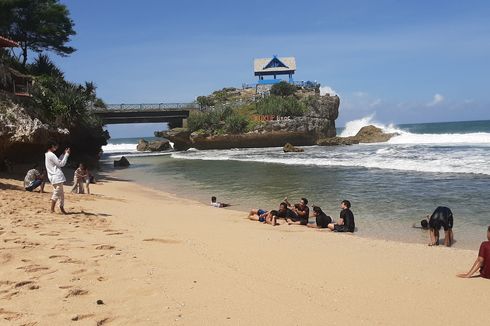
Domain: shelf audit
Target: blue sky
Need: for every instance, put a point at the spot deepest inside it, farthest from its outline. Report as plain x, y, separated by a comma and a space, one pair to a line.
404, 61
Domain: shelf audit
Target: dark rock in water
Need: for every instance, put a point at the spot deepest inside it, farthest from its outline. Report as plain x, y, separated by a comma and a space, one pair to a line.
179, 136
367, 134
372, 134
121, 163
142, 145
153, 146
290, 148
335, 141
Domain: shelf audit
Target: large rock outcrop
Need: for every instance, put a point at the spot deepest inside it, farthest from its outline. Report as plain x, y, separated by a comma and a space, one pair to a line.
153, 146
367, 134
317, 123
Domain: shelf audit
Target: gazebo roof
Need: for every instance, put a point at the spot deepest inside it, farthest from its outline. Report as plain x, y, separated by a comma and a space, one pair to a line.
274, 64
7, 43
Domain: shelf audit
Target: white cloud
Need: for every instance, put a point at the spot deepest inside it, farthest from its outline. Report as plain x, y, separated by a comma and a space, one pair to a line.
438, 98
374, 103
327, 90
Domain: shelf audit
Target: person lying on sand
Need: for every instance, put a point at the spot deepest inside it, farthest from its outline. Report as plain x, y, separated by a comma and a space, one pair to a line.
346, 221
217, 204
441, 217
482, 263
322, 220
285, 213
301, 212
263, 216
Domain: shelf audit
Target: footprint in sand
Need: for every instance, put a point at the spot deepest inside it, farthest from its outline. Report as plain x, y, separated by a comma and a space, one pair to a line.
5, 258
75, 293
9, 315
80, 317
105, 247
166, 241
33, 268
52, 234
104, 321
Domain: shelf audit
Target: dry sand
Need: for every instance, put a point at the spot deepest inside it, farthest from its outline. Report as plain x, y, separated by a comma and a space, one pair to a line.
155, 259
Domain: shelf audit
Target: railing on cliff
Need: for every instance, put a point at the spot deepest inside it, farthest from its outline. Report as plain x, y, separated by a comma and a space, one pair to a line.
147, 107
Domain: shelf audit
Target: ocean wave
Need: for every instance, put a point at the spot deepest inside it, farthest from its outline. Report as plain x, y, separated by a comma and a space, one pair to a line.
405, 137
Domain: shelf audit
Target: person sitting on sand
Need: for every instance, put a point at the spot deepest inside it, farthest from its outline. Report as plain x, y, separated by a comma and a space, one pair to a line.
441, 217
301, 212
217, 204
81, 177
322, 220
346, 221
34, 179
55, 175
482, 263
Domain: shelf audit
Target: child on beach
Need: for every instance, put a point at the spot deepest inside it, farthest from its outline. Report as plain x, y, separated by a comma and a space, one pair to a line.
346, 221
55, 175
81, 177
482, 263
217, 204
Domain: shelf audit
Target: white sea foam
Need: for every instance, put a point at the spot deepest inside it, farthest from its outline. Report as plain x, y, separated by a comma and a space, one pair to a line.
119, 148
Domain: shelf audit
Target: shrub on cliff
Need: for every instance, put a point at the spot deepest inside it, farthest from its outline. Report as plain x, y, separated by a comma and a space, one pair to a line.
236, 124
283, 89
280, 106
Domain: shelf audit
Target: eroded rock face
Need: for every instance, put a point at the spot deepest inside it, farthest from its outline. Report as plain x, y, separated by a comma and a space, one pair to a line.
153, 146
121, 163
23, 136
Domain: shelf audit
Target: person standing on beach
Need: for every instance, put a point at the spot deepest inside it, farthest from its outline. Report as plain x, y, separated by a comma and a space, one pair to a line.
441, 217
55, 175
482, 263
346, 221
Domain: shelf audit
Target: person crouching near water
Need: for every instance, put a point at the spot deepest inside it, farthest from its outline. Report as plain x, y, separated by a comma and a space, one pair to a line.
346, 221
322, 220
81, 178
441, 217
301, 212
55, 175
482, 263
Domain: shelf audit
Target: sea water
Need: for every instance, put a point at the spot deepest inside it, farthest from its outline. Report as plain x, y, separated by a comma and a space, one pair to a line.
391, 185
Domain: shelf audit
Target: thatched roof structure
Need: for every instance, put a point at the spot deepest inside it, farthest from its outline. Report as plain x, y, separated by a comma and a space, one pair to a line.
274, 65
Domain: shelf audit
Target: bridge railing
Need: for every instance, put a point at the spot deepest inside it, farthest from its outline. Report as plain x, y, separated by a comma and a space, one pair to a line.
148, 107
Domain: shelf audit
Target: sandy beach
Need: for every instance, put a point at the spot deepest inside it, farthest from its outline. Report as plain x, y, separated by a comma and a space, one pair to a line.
155, 259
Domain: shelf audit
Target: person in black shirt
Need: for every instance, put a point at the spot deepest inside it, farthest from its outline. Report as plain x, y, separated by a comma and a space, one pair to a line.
346, 221
301, 212
285, 213
322, 219
441, 217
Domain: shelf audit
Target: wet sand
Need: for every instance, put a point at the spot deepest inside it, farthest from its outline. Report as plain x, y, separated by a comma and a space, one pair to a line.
155, 259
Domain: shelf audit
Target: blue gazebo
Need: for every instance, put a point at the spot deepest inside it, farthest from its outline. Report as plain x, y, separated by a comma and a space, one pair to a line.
275, 67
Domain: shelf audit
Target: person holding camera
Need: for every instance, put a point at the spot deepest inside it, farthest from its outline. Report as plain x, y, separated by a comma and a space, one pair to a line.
55, 174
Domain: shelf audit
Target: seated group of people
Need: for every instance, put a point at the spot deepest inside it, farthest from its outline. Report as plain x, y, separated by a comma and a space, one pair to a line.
299, 214
82, 178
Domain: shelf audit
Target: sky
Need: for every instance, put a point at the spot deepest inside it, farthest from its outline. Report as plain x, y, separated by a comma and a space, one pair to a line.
401, 61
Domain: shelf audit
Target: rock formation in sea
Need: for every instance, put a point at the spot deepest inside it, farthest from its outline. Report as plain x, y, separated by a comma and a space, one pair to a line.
367, 134
153, 146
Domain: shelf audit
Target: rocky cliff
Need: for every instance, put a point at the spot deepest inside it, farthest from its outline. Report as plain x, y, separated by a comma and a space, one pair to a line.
24, 134
318, 122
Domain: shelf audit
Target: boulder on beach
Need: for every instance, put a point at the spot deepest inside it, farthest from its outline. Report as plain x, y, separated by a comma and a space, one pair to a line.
290, 148
121, 163
142, 145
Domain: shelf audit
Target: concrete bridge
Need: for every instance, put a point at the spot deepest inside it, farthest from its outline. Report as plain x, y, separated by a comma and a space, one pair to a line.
173, 113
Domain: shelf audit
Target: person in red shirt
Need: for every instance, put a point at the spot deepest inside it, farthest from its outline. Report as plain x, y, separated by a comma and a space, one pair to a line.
482, 262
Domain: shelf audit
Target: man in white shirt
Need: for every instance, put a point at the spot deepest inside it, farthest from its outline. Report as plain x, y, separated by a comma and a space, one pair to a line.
55, 175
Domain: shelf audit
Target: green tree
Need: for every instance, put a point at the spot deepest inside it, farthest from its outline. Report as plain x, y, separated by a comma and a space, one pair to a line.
38, 25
